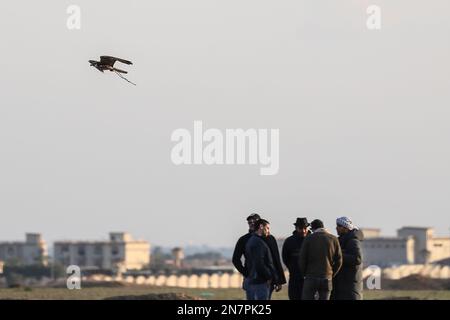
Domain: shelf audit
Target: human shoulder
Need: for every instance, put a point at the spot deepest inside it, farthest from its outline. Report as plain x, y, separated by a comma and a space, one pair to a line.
271, 239
353, 242
289, 239
309, 238
333, 239
254, 239
245, 237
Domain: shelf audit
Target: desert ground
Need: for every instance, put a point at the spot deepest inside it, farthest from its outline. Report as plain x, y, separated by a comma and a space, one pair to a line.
411, 287
147, 292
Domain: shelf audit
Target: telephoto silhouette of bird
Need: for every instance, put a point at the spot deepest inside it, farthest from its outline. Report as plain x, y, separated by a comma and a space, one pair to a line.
107, 63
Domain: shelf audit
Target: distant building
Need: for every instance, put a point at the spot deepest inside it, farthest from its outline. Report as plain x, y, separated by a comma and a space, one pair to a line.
178, 256
214, 270
120, 253
386, 251
31, 252
413, 245
371, 233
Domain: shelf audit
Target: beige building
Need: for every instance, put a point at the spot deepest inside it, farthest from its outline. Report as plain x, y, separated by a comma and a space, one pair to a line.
178, 256
120, 253
413, 245
387, 251
32, 251
371, 233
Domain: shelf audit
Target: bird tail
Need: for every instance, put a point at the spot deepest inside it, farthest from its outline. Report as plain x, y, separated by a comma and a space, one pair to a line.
118, 70
125, 78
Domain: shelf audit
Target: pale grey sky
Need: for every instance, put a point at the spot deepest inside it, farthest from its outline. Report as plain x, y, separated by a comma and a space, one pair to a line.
363, 116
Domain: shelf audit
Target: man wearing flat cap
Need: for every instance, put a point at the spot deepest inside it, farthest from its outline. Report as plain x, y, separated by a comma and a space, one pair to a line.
291, 257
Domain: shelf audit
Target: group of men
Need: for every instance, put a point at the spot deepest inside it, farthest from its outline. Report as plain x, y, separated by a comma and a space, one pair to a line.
321, 265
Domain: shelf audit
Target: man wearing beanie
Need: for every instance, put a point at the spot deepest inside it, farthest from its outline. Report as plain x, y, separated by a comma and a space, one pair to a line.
239, 250
320, 261
239, 253
348, 284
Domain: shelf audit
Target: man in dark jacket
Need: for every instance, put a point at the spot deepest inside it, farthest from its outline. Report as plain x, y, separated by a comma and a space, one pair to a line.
291, 258
320, 261
239, 249
348, 283
281, 278
260, 267
239, 252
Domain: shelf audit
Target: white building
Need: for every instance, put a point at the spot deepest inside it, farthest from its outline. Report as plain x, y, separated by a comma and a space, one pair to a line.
387, 251
413, 245
32, 251
120, 253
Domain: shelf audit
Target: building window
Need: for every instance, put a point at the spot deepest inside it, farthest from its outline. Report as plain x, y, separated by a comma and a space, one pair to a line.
115, 250
10, 251
98, 263
98, 250
81, 251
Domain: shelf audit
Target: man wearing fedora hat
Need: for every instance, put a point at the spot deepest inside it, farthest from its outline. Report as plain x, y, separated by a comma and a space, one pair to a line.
291, 257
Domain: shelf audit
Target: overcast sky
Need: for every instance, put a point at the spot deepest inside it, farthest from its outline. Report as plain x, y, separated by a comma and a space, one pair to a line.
363, 116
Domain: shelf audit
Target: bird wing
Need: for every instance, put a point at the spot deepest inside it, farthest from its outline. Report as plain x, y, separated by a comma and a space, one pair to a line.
119, 70
108, 60
124, 61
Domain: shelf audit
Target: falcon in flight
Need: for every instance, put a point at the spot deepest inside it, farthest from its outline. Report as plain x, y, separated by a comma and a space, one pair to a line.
107, 63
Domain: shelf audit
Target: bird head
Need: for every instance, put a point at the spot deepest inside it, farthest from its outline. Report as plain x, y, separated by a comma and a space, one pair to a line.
93, 63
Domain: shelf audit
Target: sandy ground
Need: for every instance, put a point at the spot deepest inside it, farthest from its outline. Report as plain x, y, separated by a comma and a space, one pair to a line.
146, 292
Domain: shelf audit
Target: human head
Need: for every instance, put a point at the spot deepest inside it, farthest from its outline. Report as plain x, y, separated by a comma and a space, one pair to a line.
301, 226
251, 219
262, 228
344, 225
316, 224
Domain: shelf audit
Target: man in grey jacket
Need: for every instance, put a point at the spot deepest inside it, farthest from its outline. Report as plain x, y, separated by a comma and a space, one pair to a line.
261, 270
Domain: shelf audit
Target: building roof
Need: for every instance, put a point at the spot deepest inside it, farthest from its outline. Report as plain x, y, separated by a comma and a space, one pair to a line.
87, 242
20, 243
445, 262
399, 239
418, 228
66, 242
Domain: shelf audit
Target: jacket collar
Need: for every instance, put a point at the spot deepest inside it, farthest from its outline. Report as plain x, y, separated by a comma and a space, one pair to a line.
297, 235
